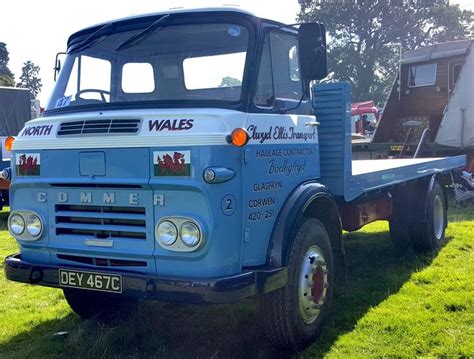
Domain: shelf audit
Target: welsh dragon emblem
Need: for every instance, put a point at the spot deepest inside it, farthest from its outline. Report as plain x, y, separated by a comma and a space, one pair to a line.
172, 163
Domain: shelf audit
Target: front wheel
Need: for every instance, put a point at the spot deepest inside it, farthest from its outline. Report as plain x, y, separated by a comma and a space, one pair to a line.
89, 304
293, 315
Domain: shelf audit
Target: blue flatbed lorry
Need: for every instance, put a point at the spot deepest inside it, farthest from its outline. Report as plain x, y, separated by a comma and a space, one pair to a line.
183, 157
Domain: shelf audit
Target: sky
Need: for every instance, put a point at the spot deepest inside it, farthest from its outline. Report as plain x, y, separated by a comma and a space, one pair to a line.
36, 30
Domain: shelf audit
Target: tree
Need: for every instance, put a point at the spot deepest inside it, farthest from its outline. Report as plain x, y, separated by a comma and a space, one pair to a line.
229, 81
361, 31
6, 76
29, 78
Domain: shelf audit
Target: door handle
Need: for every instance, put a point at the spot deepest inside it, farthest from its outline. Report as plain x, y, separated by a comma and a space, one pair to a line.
312, 123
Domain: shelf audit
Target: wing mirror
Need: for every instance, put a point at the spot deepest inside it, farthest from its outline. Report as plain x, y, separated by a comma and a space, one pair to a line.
57, 64
312, 51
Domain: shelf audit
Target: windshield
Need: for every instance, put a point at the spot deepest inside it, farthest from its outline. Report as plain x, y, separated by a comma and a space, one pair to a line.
155, 63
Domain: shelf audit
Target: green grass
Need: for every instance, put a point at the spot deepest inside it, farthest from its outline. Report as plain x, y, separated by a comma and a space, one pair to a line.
415, 305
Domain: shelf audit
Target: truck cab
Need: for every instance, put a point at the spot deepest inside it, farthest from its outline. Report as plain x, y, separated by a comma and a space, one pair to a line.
179, 158
138, 132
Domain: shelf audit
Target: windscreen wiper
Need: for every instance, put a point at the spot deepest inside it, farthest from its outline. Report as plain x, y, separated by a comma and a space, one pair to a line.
84, 44
135, 39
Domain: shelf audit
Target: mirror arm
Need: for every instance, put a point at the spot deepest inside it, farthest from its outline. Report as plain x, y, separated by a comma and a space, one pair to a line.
57, 65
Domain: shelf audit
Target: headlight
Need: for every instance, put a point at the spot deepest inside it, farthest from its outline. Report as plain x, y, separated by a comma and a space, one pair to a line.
34, 225
166, 233
17, 224
190, 234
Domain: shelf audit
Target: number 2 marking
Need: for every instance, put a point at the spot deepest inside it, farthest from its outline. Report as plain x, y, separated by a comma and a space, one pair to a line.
229, 204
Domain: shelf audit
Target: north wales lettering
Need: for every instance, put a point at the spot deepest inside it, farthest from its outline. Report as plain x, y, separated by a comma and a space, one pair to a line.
37, 130
170, 125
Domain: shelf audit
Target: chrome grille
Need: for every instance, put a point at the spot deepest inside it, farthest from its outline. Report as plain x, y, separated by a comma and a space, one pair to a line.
101, 222
106, 126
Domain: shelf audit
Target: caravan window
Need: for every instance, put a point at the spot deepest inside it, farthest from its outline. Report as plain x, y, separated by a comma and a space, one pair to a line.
422, 75
456, 72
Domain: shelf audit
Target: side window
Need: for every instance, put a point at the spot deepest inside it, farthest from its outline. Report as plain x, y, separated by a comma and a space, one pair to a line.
264, 93
279, 73
422, 75
285, 66
138, 77
294, 64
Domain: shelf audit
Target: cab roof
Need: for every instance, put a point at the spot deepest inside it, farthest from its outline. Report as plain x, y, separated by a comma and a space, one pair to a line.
183, 11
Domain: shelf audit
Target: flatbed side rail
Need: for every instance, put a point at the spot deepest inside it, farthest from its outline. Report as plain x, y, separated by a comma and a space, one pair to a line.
373, 175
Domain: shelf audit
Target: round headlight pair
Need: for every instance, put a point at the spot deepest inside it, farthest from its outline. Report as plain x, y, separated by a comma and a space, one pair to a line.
167, 233
32, 224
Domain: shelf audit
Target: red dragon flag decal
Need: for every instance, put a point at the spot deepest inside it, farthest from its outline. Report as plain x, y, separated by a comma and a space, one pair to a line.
27, 164
172, 163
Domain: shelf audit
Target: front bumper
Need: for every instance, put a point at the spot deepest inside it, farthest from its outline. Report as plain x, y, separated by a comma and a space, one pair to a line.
215, 290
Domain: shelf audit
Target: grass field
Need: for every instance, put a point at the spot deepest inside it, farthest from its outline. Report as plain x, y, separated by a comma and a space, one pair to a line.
415, 305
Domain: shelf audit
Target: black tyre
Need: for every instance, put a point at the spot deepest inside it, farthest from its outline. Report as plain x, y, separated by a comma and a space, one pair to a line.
104, 306
399, 224
429, 229
293, 315
407, 205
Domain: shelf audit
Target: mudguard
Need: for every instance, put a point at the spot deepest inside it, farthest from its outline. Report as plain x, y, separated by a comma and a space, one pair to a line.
291, 214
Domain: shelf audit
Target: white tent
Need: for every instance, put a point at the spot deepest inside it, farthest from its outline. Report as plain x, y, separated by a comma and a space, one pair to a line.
457, 125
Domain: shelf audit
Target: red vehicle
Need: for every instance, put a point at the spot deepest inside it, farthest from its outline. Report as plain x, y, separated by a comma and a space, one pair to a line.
364, 117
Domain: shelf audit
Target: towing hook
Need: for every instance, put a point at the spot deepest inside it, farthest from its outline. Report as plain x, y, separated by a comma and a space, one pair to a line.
6, 174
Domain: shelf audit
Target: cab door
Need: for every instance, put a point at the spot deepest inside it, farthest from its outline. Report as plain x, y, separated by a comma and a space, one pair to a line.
283, 148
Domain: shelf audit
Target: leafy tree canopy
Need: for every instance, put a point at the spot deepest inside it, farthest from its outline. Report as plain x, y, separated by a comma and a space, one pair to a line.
360, 33
29, 78
6, 76
229, 81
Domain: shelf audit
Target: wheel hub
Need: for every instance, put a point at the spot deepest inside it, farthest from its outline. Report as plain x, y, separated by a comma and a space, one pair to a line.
313, 284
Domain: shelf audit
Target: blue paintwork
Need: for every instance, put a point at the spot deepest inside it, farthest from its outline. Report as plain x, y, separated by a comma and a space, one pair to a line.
221, 174
408, 170
332, 107
257, 230
92, 163
235, 237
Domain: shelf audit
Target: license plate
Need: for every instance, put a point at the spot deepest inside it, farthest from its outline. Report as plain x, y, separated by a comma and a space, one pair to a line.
90, 280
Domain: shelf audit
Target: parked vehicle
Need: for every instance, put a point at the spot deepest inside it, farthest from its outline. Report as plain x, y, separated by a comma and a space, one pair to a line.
435, 99
15, 107
364, 118
183, 167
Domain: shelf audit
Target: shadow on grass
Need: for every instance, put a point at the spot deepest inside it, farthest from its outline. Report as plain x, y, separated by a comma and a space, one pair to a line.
224, 331
4, 219
374, 272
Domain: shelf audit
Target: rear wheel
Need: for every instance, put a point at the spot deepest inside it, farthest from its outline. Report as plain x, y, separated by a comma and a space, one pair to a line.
429, 234
89, 304
419, 218
293, 314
